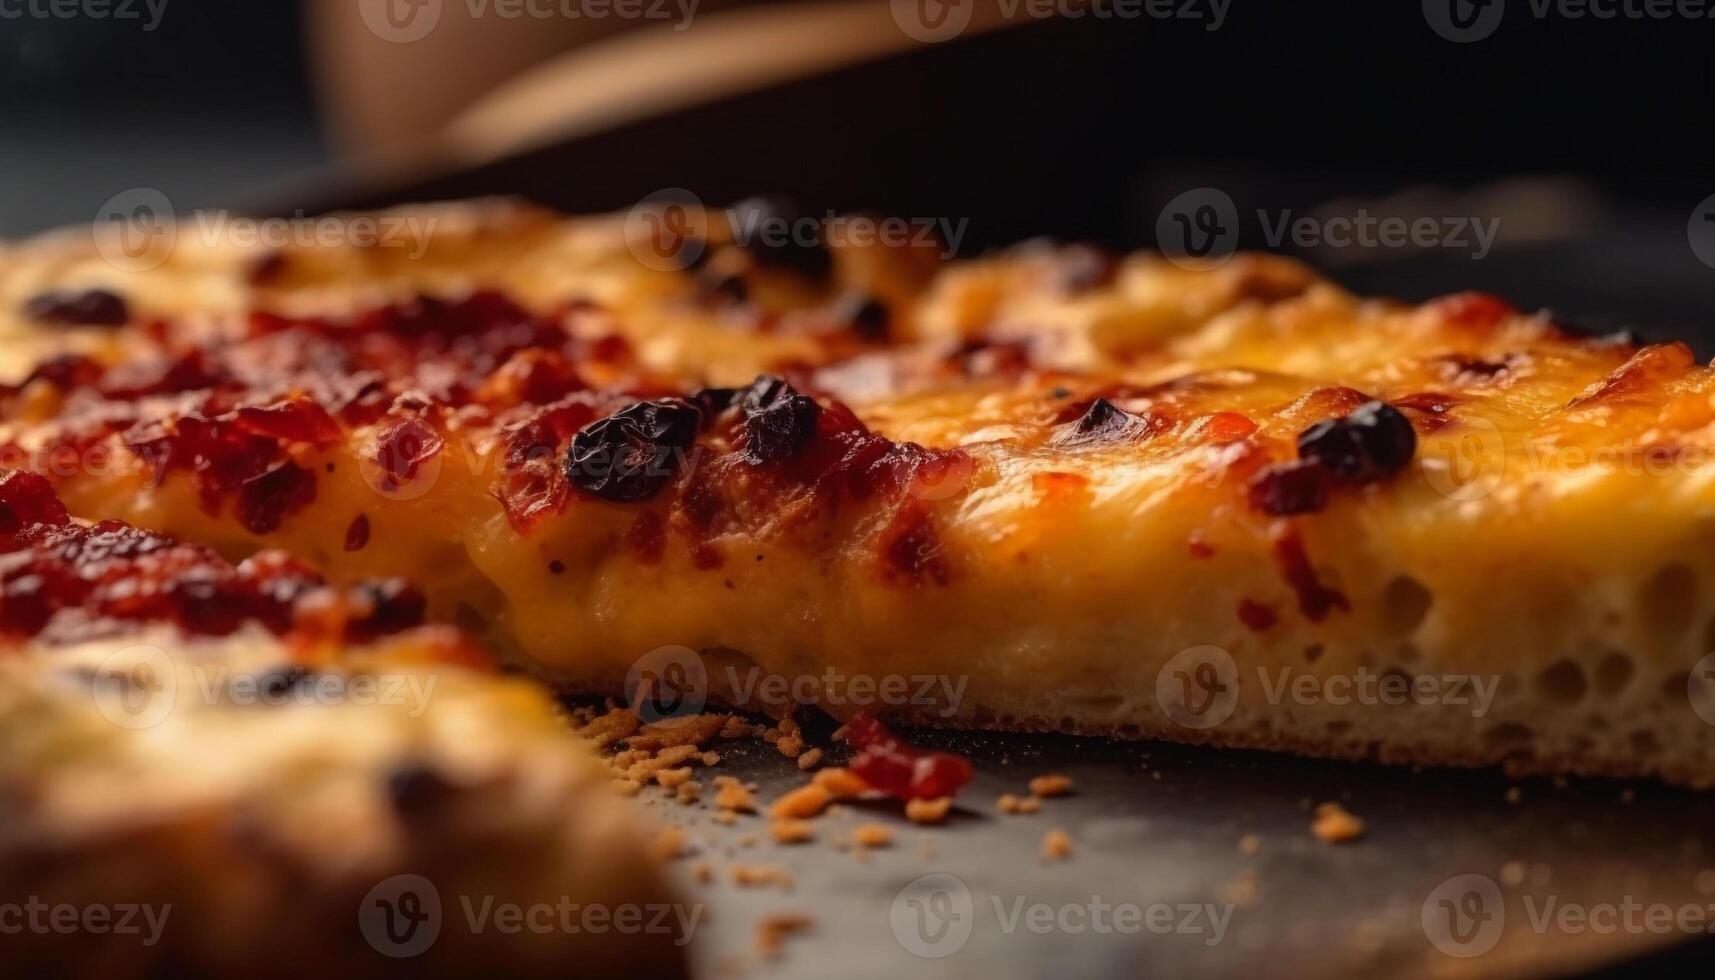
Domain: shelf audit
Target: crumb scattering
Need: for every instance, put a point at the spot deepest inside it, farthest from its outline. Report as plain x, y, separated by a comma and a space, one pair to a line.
1051, 785
928, 811
773, 931
732, 796
761, 876
1056, 845
792, 831
809, 759
872, 835
802, 803
1335, 825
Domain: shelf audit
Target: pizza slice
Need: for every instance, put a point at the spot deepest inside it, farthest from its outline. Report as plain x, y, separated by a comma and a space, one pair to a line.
243, 770
1044, 491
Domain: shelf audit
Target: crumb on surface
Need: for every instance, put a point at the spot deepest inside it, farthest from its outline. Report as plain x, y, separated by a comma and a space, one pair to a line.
668, 843
733, 796
1241, 891
802, 803
928, 811
1249, 844
1056, 845
792, 831
773, 931
809, 759
1008, 803
872, 835
841, 784
688, 793
1335, 825
673, 778
1051, 785
761, 876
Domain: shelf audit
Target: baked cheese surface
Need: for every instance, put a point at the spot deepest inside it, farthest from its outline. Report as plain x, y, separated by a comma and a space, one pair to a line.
1043, 475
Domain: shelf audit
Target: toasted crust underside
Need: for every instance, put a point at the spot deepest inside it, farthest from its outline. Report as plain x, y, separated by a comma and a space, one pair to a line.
1041, 477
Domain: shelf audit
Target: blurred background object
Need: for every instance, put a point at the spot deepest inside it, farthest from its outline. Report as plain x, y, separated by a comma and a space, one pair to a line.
1562, 160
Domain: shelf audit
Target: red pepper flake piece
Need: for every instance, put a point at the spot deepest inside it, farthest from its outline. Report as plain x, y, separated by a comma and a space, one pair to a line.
402, 447
293, 420
265, 500
1255, 615
357, 533
900, 770
1199, 546
26, 499
910, 548
1472, 309
1315, 600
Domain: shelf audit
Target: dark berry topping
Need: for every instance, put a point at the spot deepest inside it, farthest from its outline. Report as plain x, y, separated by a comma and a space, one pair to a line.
713, 401
26, 499
632, 454
1373, 443
779, 420
774, 233
1285, 489
79, 308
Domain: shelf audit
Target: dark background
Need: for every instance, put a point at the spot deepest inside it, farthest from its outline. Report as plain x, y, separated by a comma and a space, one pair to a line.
1076, 129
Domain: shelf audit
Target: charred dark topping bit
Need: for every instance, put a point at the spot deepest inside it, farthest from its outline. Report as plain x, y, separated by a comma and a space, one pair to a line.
774, 233
556, 567
1100, 422
779, 420
1373, 443
384, 607
1256, 616
713, 401
416, 788
65, 372
631, 455
78, 308
357, 533
267, 268
1284, 489
867, 316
